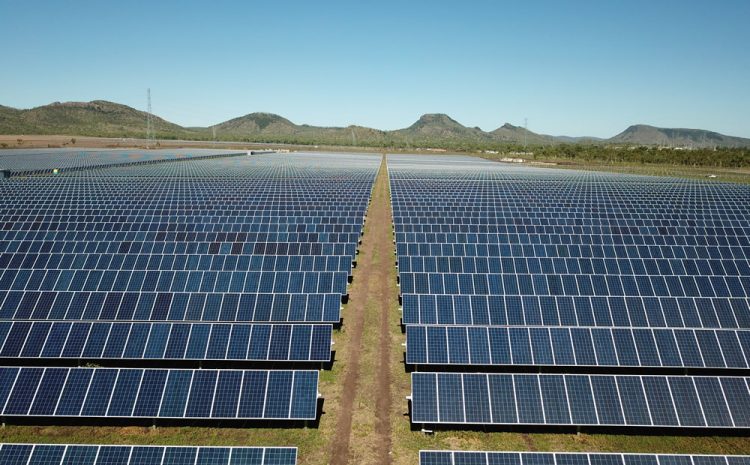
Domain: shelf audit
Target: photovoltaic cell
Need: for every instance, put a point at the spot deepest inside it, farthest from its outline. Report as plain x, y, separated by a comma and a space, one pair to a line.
595, 400
165, 341
69, 454
536, 458
158, 393
576, 346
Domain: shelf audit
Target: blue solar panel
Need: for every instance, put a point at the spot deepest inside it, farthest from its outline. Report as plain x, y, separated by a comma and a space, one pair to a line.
165, 341
545, 458
24, 162
158, 393
70, 454
595, 400
307, 307
576, 346
617, 311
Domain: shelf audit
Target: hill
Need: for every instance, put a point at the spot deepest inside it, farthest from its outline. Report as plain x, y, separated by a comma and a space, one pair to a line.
642, 134
518, 135
256, 123
107, 119
97, 118
438, 126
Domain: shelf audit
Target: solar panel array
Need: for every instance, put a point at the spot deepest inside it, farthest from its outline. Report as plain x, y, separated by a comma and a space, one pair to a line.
577, 346
541, 458
73, 454
581, 400
25, 162
504, 267
208, 259
164, 341
159, 393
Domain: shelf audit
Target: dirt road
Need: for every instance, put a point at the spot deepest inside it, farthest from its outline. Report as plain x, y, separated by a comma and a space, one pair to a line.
365, 406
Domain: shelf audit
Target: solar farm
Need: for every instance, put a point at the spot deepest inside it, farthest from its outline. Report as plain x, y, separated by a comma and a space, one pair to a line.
207, 293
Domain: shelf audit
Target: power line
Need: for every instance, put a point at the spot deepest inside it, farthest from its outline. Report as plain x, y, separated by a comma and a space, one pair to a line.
149, 120
525, 131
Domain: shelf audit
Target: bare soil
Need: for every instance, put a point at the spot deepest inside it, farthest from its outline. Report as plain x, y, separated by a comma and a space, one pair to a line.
367, 380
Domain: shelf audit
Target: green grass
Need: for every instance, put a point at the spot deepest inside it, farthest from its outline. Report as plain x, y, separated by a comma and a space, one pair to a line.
412, 442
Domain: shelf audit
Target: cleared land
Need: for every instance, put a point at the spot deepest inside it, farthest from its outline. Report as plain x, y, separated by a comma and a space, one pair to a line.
364, 428
374, 301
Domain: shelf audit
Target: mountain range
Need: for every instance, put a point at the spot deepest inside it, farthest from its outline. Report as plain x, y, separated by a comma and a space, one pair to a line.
108, 119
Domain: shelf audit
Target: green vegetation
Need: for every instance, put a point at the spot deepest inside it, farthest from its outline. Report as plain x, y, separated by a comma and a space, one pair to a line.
98, 118
586, 153
637, 144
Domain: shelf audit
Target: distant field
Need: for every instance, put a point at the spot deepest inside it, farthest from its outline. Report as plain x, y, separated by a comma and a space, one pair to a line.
737, 175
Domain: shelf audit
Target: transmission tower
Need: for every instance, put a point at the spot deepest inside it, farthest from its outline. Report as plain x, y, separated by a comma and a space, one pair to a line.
525, 132
149, 121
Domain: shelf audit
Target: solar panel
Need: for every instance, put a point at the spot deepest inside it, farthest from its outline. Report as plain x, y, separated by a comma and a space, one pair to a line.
439, 457
159, 393
637, 312
254, 261
577, 346
79, 454
25, 162
166, 306
165, 341
312, 282
581, 400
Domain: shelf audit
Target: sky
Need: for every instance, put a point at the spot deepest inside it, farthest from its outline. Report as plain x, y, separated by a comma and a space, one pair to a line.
578, 68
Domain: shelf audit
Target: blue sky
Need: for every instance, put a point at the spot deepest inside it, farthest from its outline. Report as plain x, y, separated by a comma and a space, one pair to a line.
570, 67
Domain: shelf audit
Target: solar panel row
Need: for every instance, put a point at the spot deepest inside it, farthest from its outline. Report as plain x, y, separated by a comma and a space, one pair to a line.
294, 240
574, 285
576, 311
26, 162
165, 341
312, 282
169, 261
564, 346
478, 251
74, 454
131, 254
538, 458
589, 400
158, 393
304, 168
181, 226
160, 306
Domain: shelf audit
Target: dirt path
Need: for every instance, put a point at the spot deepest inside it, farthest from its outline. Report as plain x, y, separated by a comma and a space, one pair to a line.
384, 283
364, 408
